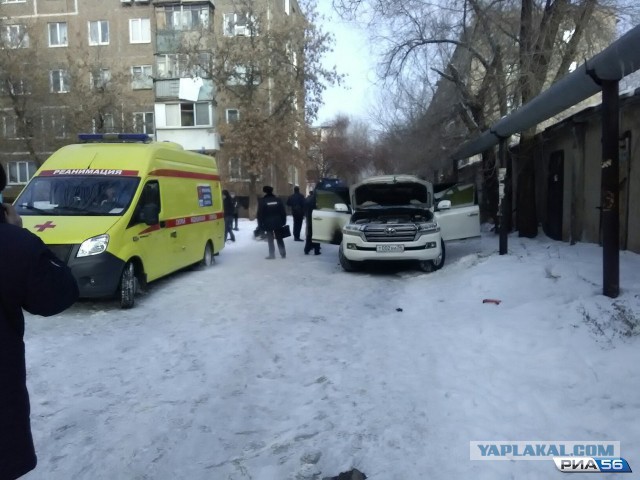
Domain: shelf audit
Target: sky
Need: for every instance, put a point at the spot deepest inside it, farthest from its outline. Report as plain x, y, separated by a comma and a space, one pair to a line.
292, 369
352, 57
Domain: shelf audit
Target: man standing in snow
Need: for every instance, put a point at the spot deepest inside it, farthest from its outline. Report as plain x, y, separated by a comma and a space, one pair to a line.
31, 277
272, 216
227, 206
309, 206
236, 206
296, 202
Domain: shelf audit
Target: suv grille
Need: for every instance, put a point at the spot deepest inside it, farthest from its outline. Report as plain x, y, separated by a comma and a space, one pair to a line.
61, 251
390, 233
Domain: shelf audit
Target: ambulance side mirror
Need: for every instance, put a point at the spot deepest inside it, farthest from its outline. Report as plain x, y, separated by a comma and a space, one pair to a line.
150, 214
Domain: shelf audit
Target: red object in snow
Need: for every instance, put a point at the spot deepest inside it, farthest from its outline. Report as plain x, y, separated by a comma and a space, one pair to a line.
491, 300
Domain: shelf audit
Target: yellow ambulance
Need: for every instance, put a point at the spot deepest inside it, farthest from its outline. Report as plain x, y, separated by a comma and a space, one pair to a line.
122, 210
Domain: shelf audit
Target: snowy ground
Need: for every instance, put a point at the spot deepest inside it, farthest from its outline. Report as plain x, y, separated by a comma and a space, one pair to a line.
293, 369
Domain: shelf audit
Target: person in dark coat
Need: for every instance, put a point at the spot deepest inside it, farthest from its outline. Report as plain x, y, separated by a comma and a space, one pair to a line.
309, 206
228, 207
236, 206
296, 202
31, 277
271, 216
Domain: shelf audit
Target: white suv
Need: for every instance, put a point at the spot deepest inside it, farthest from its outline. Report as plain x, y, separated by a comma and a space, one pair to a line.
391, 218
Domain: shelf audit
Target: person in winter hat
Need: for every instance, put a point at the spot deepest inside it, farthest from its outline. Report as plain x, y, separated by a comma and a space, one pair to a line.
31, 278
271, 216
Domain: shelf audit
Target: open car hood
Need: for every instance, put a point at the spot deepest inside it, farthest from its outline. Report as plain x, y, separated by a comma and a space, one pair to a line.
391, 191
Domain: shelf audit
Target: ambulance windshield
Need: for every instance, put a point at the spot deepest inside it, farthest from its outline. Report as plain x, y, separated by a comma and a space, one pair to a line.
77, 195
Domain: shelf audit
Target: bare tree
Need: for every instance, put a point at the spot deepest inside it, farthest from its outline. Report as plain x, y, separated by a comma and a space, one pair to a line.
497, 54
76, 93
273, 77
343, 149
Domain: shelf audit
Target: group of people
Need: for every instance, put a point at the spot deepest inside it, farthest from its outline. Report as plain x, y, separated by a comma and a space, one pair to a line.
272, 219
43, 285
302, 208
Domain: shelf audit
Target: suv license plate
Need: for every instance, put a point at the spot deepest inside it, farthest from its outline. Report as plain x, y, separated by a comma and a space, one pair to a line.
389, 248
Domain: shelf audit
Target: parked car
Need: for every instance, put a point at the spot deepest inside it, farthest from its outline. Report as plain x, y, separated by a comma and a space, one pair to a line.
392, 217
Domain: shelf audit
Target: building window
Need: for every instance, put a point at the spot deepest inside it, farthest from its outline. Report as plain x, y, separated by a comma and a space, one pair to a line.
58, 34
14, 87
59, 81
237, 171
188, 115
21, 172
233, 115
186, 17
99, 32
143, 122
15, 36
293, 175
9, 125
141, 77
100, 79
238, 24
103, 123
55, 121
168, 66
243, 75
140, 30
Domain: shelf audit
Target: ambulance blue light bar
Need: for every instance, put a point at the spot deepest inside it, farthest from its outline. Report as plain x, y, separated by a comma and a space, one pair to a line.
114, 137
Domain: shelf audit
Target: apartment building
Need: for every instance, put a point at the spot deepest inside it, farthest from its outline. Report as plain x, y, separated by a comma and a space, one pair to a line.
147, 66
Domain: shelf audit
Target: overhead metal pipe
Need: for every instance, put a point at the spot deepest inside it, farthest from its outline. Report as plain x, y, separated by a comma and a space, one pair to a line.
618, 60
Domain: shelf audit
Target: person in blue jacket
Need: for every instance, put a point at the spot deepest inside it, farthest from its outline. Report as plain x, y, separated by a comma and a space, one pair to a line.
31, 278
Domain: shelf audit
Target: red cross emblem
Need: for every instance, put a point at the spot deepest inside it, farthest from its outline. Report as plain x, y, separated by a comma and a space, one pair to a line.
43, 226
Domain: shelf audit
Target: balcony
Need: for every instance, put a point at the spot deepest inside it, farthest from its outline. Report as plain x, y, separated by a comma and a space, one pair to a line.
190, 138
173, 2
169, 89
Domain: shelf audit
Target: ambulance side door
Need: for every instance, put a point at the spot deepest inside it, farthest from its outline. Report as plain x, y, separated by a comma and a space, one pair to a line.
152, 241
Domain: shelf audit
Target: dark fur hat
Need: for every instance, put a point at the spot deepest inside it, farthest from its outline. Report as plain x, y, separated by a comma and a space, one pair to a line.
267, 189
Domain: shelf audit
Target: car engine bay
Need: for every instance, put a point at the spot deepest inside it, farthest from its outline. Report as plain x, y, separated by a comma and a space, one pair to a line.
394, 217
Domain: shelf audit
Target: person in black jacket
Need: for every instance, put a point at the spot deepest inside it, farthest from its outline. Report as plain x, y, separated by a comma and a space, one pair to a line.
236, 206
309, 206
296, 202
272, 216
31, 277
228, 207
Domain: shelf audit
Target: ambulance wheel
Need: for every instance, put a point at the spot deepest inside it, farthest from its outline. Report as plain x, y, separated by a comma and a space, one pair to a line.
128, 286
207, 258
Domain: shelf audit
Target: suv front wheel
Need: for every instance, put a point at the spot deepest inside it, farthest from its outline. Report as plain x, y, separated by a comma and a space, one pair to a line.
435, 264
347, 265
438, 263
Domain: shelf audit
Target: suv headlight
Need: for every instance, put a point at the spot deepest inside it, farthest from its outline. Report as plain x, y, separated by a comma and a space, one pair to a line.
429, 227
353, 229
93, 246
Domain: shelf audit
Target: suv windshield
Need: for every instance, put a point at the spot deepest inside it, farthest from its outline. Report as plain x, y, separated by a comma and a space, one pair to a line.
74, 195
